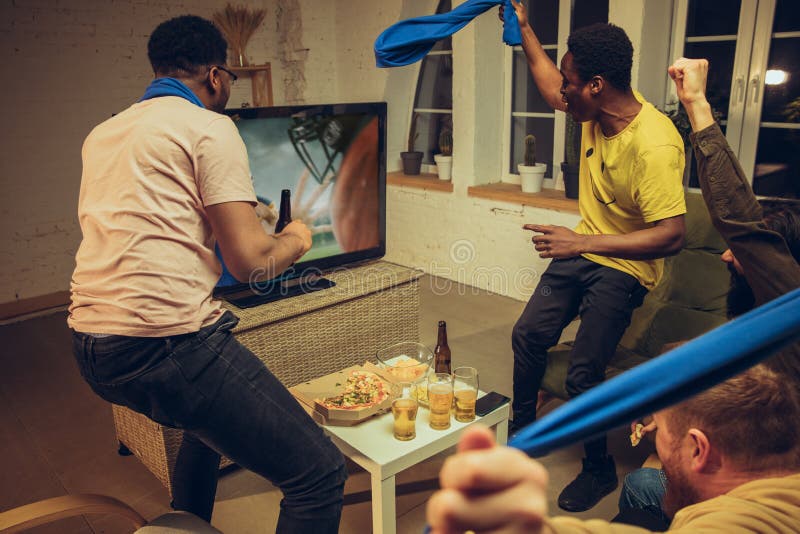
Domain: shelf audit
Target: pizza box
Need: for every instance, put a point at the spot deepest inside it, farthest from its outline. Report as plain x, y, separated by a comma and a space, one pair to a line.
308, 393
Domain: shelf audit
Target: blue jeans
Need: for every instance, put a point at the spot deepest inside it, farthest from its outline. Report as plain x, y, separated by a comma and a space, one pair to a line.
644, 489
227, 402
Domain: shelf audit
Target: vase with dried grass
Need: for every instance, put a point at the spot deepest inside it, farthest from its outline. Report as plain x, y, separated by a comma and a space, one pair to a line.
238, 24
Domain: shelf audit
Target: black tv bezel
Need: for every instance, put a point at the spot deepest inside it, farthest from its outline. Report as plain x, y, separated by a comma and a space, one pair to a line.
345, 259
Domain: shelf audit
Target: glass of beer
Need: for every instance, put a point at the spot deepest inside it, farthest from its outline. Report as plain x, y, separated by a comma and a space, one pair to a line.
465, 390
404, 410
440, 399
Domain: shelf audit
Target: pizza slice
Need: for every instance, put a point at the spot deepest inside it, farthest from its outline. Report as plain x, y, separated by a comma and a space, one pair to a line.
362, 389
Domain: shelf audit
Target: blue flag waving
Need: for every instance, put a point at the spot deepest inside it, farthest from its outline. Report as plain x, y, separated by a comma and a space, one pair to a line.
410, 40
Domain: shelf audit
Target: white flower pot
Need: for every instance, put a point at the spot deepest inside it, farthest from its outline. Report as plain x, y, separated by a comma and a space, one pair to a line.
531, 177
444, 166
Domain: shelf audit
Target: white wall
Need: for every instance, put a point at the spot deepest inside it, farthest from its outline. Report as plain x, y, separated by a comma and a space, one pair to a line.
359, 80
654, 55
629, 15
321, 39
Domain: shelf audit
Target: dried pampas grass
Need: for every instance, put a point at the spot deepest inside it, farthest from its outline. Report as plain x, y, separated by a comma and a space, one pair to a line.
238, 24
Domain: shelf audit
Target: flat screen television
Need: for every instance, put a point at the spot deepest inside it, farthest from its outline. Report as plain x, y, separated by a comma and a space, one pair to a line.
332, 158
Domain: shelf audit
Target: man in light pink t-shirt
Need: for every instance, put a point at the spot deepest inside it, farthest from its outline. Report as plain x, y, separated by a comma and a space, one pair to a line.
163, 181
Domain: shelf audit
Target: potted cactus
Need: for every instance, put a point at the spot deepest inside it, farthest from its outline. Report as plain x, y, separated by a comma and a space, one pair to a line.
412, 159
572, 148
531, 174
444, 159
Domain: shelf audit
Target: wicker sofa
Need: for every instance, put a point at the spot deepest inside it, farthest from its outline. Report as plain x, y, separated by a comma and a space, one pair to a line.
689, 301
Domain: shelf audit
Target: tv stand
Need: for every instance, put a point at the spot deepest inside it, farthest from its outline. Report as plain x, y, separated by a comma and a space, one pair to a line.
279, 290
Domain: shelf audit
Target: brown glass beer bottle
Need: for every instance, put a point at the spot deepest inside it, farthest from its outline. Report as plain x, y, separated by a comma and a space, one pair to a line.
441, 354
285, 213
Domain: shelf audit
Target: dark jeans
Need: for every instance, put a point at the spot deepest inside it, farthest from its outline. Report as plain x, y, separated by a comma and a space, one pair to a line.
605, 299
227, 402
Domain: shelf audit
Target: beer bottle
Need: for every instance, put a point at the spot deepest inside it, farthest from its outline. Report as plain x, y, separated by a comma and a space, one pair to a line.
285, 213
441, 353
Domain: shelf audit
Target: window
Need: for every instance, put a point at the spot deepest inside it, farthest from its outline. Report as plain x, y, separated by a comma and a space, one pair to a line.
753, 47
552, 20
433, 101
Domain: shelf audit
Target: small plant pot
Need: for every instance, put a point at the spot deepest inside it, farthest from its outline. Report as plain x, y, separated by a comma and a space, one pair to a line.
444, 166
571, 179
412, 162
531, 177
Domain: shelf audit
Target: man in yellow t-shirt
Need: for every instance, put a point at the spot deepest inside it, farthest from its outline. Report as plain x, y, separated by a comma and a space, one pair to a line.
726, 473
632, 205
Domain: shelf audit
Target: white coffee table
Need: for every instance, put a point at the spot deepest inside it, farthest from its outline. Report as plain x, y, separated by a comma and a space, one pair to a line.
372, 446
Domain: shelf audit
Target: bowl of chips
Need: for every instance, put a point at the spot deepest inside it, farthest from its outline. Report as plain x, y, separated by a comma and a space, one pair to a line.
406, 361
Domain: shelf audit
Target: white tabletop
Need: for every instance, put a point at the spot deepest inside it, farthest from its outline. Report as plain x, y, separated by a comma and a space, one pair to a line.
372, 444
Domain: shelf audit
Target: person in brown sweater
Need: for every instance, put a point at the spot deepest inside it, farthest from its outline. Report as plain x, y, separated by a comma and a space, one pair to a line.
764, 241
764, 238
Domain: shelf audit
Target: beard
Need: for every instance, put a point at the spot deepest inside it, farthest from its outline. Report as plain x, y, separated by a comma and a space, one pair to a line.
680, 492
740, 295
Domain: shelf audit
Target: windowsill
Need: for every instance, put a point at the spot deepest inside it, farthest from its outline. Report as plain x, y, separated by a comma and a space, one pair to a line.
420, 181
552, 199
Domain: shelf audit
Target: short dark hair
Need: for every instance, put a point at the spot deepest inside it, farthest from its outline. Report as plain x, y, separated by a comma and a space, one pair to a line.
783, 216
602, 50
185, 43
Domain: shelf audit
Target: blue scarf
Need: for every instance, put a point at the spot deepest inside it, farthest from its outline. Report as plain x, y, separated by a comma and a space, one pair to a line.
170, 87
410, 40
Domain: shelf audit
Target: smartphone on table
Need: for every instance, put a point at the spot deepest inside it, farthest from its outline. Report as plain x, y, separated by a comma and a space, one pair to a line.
489, 403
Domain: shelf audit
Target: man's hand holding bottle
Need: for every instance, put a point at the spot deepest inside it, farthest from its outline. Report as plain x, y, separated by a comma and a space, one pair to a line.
299, 233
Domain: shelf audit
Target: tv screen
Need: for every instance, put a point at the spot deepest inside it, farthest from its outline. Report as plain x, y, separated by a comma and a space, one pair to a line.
333, 160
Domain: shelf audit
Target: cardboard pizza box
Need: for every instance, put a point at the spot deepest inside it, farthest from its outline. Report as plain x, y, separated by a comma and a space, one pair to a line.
333, 384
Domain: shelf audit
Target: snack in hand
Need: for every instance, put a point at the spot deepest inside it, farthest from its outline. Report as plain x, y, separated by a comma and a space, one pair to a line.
637, 434
362, 389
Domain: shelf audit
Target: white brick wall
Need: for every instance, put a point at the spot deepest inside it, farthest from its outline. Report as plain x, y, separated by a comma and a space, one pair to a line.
468, 240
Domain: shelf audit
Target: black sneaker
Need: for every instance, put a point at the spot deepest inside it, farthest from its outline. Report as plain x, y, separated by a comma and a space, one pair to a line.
597, 479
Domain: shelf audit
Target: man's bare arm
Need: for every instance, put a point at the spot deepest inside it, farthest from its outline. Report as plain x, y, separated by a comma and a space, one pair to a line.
248, 249
545, 74
665, 238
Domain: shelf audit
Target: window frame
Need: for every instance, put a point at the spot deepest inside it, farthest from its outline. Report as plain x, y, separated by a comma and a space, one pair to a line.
559, 123
754, 40
430, 167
